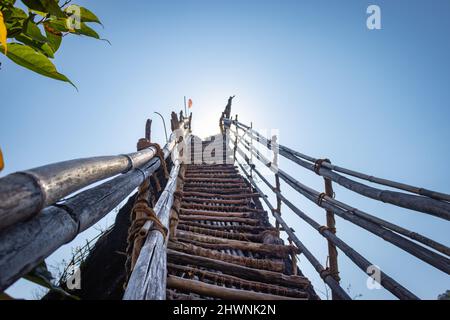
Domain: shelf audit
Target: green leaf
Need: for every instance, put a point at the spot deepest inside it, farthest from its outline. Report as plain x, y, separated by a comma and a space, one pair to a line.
85, 14
33, 31
58, 25
15, 13
54, 39
45, 48
47, 6
29, 58
85, 30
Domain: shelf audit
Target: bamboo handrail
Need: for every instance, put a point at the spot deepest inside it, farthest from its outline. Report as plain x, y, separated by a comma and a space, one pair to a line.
285, 151
422, 204
23, 194
148, 279
25, 244
410, 234
386, 281
361, 218
327, 278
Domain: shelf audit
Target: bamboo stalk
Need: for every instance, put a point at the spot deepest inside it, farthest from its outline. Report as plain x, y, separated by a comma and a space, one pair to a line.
248, 221
263, 264
217, 213
238, 270
366, 221
210, 290
218, 201
222, 234
428, 201
218, 191
26, 244
213, 180
24, 194
237, 282
246, 228
386, 281
222, 208
327, 278
219, 195
148, 279
280, 251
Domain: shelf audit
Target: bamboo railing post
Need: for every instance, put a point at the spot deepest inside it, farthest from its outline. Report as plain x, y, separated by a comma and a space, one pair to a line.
148, 130
277, 189
293, 256
251, 155
236, 141
331, 226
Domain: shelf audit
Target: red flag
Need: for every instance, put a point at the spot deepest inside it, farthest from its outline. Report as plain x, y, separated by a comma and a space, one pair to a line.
190, 103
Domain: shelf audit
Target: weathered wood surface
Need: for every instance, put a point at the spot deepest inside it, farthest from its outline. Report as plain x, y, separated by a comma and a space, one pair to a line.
280, 251
386, 281
148, 279
428, 205
327, 278
225, 293
362, 219
264, 264
238, 270
26, 244
285, 151
222, 234
238, 282
24, 194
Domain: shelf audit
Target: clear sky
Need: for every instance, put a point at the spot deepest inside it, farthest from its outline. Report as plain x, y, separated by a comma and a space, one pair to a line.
375, 101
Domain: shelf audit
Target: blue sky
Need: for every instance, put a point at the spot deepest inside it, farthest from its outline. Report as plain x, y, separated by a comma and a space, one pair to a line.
375, 101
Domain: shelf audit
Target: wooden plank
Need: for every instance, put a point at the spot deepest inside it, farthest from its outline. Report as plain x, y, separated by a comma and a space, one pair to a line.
210, 290
263, 264
237, 281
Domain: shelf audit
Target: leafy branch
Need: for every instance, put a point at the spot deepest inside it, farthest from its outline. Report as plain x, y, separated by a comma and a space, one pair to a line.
35, 36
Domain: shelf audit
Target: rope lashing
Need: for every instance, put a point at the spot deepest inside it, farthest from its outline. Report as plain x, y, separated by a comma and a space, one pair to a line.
318, 165
178, 194
325, 273
160, 155
140, 214
322, 229
321, 198
148, 215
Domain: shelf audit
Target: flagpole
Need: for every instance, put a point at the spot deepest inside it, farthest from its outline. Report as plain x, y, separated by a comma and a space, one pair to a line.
185, 110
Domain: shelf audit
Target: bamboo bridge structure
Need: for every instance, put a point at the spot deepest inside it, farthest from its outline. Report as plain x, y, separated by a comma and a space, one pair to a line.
198, 225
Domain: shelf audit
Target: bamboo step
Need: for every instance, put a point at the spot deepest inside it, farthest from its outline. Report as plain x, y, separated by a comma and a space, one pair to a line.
223, 246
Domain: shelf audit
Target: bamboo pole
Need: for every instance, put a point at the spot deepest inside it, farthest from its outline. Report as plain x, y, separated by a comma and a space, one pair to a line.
280, 251
237, 202
402, 186
222, 234
210, 290
331, 225
366, 221
248, 221
386, 281
263, 264
427, 201
217, 213
240, 228
148, 279
237, 270
26, 244
327, 278
237, 282
219, 195
24, 194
